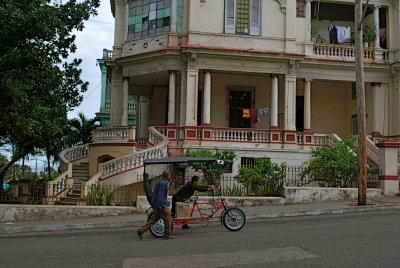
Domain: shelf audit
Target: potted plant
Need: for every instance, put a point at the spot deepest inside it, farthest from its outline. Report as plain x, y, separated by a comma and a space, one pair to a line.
369, 34
315, 34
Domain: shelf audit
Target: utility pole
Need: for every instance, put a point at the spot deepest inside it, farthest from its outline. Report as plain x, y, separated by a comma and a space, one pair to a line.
361, 118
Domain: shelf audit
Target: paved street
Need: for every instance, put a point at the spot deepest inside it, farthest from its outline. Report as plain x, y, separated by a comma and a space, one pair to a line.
350, 240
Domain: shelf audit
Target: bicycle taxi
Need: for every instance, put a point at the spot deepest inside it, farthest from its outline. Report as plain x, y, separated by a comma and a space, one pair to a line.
200, 212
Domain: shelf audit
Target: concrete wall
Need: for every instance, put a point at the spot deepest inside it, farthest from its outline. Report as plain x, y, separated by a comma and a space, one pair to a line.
114, 150
315, 194
35, 213
272, 19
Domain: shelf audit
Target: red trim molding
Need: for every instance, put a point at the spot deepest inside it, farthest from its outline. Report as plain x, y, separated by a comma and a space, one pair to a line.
388, 178
389, 144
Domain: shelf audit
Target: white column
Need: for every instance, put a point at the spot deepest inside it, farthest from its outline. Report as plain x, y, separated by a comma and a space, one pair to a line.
308, 20
171, 98
119, 27
207, 98
125, 99
376, 20
143, 118
290, 103
376, 104
274, 102
116, 99
191, 97
307, 104
174, 7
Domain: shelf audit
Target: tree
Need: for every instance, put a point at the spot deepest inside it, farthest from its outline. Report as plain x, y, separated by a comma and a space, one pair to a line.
81, 129
212, 173
333, 165
36, 77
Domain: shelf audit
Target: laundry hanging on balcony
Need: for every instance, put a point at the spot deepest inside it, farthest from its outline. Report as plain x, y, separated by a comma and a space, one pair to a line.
255, 114
246, 113
339, 34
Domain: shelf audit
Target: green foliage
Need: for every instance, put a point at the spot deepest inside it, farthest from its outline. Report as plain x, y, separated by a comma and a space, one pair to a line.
38, 83
369, 33
81, 129
235, 190
316, 37
265, 178
100, 196
333, 165
212, 173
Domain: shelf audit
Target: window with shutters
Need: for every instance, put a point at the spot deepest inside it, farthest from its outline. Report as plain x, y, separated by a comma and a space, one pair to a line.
242, 17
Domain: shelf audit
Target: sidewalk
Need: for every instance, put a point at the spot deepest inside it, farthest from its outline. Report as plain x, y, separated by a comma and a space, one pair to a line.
252, 213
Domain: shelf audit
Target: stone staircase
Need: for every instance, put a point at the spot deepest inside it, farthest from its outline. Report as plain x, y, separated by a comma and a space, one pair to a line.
80, 174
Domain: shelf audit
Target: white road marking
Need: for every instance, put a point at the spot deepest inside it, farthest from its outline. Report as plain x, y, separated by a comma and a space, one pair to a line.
222, 259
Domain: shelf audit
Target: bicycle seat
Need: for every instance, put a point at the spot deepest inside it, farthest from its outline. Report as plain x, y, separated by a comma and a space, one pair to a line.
193, 198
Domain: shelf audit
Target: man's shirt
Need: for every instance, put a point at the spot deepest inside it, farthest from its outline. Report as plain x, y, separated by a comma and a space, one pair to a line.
188, 190
160, 194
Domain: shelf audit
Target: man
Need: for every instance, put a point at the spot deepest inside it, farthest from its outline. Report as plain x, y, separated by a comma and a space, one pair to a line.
187, 191
160, 205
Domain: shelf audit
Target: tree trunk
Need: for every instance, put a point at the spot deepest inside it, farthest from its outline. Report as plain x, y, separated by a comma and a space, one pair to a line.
48, 167
4, 170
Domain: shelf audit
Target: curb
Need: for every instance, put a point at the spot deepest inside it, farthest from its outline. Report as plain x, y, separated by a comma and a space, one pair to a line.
253, 216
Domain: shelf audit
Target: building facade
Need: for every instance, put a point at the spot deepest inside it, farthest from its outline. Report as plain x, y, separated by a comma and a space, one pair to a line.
196, 67
105, 97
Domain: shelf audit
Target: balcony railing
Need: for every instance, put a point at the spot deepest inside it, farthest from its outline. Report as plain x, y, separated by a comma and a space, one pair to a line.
123, 164
347, 53
241, 135
107, 54
113, 134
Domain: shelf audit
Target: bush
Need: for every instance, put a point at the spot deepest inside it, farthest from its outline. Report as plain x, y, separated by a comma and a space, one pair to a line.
333, 165
266, 178
100, 196
212, 173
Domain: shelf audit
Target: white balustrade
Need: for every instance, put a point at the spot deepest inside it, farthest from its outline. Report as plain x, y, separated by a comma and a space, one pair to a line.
75, 153
113, 134
238, 135
126, 163
322, 139
372, 151
345, 52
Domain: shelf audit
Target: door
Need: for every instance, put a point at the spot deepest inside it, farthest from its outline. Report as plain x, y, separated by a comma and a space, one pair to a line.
239, 100
300, 113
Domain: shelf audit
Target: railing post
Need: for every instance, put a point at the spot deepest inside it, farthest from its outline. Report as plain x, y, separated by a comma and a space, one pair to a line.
388, 161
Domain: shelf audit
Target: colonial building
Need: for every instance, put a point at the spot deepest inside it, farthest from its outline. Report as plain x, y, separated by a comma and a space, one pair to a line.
266, 78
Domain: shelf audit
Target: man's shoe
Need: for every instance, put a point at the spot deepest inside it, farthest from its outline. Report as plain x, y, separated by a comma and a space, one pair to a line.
185, 226
139, 234
168, 237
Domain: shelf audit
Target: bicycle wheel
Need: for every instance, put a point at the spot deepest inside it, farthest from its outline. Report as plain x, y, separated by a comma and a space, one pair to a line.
157, 229
234, 219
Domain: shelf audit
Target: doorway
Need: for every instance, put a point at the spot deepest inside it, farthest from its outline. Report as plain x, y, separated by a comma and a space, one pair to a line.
238, 100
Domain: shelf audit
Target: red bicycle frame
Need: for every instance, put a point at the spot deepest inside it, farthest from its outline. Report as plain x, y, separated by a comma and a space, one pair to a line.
203, 217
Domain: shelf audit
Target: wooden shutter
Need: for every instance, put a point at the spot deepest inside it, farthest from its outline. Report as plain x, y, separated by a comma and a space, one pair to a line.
255, 18
230, 16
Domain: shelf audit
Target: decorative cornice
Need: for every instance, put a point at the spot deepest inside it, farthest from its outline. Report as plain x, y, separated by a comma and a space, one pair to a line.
395, 70
293, 66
